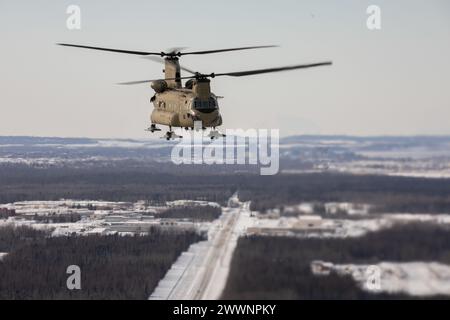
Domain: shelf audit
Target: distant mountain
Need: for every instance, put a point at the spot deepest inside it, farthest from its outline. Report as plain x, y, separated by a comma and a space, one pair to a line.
405, 155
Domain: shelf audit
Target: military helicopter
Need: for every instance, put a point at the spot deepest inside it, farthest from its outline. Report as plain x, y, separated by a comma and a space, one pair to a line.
186, 107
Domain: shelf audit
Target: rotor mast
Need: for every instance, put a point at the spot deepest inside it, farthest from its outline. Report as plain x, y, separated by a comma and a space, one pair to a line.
172, 72
172, 75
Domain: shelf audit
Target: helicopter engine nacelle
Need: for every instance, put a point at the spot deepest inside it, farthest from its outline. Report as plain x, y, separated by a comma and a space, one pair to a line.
159, 86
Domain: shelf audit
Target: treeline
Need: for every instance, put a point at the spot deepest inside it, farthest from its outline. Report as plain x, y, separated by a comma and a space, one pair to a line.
21, 183
6, 215
167, 183
279, 267
385, 193
112, 267
13, 237
196, 213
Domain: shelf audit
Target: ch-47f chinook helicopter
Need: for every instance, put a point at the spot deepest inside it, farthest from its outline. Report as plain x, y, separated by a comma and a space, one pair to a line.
178, 106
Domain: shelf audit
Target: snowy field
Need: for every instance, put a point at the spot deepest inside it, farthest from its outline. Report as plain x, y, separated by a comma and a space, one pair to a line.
412, 278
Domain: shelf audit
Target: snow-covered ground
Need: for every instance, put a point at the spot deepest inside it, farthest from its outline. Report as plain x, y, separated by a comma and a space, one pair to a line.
309, 208
181, 203
354, 220
202, 271
314, 226
404, 168
99, 217
412, 278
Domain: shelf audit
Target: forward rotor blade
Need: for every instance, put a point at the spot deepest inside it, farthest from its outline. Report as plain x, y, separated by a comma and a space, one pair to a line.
225, 50
173, 52
148, 81
260, 71
142, 53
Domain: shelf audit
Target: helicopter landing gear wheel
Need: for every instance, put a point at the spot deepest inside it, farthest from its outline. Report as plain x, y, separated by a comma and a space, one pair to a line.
153, 128
170, 135
215, 134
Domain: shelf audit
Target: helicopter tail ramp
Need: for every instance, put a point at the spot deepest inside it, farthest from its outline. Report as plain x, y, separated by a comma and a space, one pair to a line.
201, 272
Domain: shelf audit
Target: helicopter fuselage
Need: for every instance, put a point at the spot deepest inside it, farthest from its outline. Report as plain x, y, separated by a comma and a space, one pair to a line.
180, 107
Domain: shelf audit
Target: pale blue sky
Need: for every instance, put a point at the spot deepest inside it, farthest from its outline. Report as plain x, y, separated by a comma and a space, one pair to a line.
392, 81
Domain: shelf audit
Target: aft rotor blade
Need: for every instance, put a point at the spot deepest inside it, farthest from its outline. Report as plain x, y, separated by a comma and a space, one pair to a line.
241, 73
261, 71
135, 82
225, 50
142, 53
161, 60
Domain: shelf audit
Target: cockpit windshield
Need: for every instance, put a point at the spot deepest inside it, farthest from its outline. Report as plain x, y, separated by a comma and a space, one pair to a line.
205, 106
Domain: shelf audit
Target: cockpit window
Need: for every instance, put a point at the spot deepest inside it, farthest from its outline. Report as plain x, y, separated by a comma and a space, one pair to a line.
205, 105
